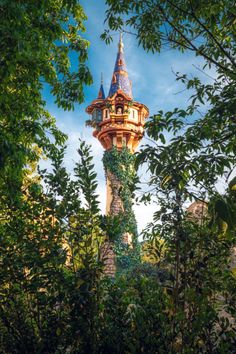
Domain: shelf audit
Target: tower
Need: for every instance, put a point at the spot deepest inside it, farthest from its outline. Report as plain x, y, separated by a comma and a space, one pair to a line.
118, 123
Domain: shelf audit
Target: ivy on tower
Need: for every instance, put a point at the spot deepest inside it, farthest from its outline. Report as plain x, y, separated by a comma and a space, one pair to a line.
118, 123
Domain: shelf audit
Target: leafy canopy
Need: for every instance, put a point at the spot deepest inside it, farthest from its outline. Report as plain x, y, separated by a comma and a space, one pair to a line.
38, 41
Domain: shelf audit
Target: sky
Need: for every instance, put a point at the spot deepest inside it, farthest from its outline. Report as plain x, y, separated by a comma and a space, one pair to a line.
153, 83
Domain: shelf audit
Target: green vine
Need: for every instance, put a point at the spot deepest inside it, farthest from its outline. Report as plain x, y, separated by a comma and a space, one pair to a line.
109, 106
130, 103
121, 165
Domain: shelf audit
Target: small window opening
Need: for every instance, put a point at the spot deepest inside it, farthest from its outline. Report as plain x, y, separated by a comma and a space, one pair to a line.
119, 110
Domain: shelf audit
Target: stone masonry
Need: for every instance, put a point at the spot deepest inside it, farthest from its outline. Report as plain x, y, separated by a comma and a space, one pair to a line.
118, 120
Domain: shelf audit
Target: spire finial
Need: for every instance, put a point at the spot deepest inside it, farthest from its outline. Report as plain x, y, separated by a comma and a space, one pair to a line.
121, 44
120, 78
101, 94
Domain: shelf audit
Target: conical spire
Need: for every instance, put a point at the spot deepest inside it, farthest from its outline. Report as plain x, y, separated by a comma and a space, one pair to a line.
101, 93
120, 79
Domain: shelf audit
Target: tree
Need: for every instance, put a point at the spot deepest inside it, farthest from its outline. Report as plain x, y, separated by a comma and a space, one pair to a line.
208, 30
200, 153
202, 150
50, 264
37, 39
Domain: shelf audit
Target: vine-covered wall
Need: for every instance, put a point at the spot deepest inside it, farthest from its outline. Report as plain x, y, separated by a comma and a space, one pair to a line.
119, 169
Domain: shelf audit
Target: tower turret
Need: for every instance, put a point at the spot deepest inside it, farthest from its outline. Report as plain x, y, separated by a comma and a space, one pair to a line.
118, 123
101, 93
120, 79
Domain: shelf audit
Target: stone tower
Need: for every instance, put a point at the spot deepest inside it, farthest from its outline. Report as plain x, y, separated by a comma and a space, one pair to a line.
118, 123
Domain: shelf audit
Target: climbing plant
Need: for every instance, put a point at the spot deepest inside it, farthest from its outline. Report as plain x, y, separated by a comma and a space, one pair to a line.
121, 165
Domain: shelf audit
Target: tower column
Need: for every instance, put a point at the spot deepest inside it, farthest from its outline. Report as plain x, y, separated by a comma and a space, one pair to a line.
114, 201
115, 205
118, 123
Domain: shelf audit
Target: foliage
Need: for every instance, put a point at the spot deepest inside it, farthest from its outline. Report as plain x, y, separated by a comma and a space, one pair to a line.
52, 296
134, 316
50, 263
199, 154
87, 178
203, 147
153, 250
37, 40
206, 28
197, 256
121, 165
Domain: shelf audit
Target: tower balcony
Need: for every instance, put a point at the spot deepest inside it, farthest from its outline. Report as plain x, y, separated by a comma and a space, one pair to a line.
119, 134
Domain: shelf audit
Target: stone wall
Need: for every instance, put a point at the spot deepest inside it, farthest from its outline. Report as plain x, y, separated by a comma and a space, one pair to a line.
116, 204
108, 258
114, 207
114, 186
197, 211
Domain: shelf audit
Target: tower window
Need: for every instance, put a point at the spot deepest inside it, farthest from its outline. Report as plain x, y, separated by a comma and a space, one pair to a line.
114, 79
106, 114
97, 115
133, 113
119, 110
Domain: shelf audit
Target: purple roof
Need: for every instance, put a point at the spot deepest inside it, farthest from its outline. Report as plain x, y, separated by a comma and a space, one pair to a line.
101, 93
120, 79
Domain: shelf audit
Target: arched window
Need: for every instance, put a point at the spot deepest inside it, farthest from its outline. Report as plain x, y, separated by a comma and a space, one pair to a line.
97, 115
119, 110
114, 79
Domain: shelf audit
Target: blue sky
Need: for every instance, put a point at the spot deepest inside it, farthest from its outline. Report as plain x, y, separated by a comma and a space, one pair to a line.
153, 84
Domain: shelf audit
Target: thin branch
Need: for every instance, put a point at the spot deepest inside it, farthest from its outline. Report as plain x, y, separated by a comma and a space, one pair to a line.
230, 172
203, 72
193, 47
192, 13
213, 37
